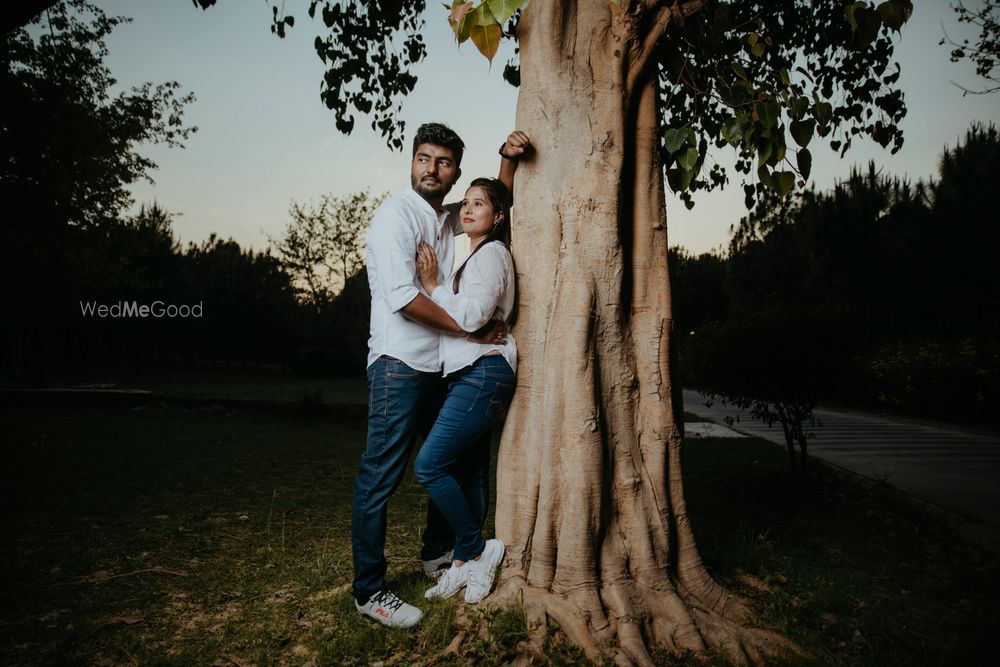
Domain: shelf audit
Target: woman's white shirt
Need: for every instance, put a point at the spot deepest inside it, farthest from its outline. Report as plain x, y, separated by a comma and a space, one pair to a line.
486, 292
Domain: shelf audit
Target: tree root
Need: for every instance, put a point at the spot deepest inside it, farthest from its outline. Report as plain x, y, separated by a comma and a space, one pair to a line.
622, 621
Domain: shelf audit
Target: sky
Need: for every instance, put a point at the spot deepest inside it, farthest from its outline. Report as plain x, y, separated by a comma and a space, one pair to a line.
265, 139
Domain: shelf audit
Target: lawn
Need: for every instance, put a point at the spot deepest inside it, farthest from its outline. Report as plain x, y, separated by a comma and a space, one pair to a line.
203, 535
253, 386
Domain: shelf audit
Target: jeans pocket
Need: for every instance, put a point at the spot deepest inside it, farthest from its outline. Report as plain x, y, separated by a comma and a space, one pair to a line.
400, 371
500, 401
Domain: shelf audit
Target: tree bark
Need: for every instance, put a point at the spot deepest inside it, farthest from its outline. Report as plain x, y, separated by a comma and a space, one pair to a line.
590, 498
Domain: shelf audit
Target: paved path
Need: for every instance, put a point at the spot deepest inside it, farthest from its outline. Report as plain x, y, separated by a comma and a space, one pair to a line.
951, 468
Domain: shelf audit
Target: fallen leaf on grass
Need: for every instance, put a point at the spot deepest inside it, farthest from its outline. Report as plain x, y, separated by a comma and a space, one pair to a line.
131, 619
329, 593
754, 583
300, 651
52, 615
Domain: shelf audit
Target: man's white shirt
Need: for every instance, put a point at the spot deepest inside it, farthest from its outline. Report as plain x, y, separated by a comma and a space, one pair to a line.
398, 227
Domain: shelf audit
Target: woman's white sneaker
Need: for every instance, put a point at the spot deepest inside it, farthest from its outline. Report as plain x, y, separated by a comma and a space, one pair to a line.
452, 581
388, 609
482, 572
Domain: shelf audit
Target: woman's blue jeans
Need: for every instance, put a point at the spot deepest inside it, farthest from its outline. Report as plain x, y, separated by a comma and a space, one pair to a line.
478, 396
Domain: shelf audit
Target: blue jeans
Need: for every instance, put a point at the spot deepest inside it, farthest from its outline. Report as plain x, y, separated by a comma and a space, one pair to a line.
454, 462
402, 403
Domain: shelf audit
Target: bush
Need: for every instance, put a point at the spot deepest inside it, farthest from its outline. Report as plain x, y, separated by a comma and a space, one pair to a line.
947, 380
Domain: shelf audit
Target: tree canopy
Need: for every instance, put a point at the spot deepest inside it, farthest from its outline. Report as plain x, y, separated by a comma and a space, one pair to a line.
763, 76
985, 51
69, 144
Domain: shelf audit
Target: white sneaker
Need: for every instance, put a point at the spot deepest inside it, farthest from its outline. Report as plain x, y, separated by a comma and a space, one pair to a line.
389, 610
482, 572
438, 566
452, 581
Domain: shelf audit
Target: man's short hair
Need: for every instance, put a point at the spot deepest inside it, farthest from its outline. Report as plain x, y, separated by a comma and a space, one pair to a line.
439, 135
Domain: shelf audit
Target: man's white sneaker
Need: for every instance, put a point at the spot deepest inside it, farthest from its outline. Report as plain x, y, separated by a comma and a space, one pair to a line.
452, 581
438, 566
482, 572
389, 610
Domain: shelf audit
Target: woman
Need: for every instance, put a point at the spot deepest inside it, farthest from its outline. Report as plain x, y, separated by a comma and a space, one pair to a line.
480, 385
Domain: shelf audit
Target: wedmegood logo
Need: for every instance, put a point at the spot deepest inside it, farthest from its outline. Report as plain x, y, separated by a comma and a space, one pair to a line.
126, 309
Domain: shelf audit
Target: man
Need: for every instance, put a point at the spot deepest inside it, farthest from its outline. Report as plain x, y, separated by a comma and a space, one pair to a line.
404, 366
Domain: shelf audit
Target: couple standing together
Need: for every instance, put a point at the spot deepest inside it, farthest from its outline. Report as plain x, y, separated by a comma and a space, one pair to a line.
423, 325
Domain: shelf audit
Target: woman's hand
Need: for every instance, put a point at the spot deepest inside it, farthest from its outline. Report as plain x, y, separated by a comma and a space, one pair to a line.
427, 267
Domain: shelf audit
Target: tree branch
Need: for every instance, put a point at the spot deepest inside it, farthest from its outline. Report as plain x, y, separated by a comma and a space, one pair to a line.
17, 14
666, 14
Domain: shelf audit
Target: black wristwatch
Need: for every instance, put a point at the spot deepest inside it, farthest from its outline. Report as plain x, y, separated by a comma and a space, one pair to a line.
504, 155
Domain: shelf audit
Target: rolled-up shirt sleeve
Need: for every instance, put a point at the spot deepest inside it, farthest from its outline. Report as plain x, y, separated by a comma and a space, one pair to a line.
483, 281
393, 248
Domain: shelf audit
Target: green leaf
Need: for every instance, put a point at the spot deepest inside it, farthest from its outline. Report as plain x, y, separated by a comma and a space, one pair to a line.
779, 152
758, 49
482, 16
867, 22
688, 159
504, 9
823, 113
486, 39
797, 107
805, 161
764, 174
802, 131
895, 13
732, 95
732, 130
740, 72
461, 30
849, 11
675, 138
768, 112
764, 148
782, 182
679, 179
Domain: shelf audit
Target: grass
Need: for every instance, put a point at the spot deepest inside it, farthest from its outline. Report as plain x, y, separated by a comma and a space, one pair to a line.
167, 535
254, 386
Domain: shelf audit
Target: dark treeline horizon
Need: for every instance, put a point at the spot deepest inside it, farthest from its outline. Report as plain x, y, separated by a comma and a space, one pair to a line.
877, 293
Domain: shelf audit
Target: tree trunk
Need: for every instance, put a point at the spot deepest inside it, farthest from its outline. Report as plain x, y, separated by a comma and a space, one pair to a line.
589, 495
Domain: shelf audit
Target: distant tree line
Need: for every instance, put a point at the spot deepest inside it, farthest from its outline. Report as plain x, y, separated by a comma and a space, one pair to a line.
67, 242
878, 293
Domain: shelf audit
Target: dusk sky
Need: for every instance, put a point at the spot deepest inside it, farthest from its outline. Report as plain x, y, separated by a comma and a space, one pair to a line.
265, 139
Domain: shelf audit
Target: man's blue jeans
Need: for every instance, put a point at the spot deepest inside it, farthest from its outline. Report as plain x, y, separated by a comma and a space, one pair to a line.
402, 403
454, 461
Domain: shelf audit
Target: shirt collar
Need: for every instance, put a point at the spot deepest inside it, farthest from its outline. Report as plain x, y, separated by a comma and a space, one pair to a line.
412, 195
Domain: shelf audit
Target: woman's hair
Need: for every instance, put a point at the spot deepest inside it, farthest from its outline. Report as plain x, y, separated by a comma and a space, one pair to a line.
499, 197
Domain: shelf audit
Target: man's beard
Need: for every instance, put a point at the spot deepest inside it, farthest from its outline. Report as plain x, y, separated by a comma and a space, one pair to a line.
433, 189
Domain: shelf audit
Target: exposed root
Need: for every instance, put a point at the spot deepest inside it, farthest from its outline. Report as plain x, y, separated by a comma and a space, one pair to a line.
637, 620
